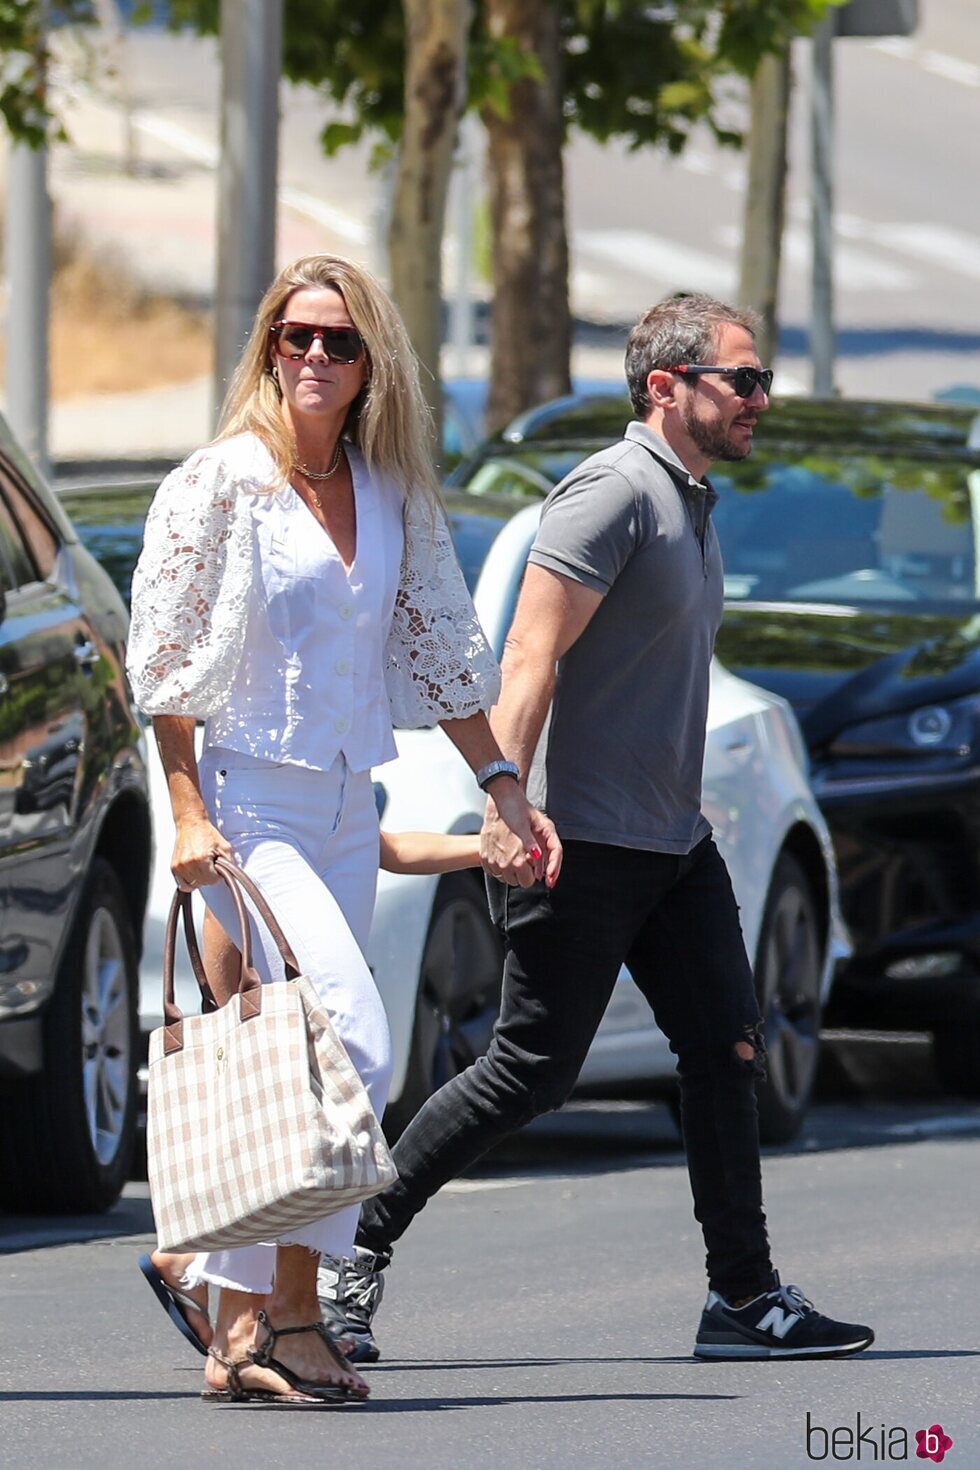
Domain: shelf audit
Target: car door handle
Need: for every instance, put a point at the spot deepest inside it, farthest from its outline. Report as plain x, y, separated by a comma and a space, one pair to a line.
741, 742
86, 654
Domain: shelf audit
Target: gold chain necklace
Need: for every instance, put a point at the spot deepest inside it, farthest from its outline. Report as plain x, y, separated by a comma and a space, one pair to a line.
322, 474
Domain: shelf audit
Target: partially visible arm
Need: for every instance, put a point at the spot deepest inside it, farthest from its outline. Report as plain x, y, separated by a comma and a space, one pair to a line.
532, 850
429, 852
198, 841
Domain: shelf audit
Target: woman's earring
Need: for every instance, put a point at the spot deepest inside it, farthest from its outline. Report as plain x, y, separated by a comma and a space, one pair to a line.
275, 380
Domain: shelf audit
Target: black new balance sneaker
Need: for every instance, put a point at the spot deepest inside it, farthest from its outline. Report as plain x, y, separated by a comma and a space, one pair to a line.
350, 1293
779, 1324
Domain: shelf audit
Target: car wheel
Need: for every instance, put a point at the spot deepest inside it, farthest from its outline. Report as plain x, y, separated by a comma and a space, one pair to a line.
955, 1050
68, 1133
458, 995
788, 973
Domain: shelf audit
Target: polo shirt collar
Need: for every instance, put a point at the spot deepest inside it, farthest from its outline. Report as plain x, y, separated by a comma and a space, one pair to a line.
641, 433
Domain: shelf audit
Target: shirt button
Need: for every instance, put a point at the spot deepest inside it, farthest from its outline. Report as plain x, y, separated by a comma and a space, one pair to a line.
341, 725
346, 612
342, 666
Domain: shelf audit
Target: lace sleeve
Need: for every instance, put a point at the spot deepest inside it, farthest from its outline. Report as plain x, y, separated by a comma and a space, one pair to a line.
438, 663
190, 590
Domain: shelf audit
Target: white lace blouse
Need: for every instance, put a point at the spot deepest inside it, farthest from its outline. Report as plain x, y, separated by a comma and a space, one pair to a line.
193, 583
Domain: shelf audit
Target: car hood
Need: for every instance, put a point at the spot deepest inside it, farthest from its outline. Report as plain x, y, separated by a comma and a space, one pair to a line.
840, 665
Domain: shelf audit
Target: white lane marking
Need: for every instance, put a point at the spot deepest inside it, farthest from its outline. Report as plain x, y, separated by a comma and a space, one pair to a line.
324, 214
855, 270
940, 63
952, 68
483, 1186
938, 244
666, 261
953, 1123
182, 140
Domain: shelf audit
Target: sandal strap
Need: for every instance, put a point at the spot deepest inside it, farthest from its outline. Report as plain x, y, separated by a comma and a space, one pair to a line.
263, 1357
188, 1303
231, 1366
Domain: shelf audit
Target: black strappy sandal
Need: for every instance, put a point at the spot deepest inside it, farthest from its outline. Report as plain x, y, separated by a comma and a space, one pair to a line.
332, 1393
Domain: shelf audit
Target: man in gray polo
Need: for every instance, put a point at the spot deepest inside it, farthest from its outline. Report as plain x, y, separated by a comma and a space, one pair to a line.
614, 632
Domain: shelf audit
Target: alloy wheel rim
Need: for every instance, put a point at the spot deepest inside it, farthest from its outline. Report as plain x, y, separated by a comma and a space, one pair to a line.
106, 1035
791, 1000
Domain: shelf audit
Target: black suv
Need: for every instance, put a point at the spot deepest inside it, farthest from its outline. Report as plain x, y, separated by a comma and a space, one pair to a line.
851, 540
75, 851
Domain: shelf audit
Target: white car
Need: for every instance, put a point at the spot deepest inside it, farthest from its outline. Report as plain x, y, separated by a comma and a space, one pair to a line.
437, 958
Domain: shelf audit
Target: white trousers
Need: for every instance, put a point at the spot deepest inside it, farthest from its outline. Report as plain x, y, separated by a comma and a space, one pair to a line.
310, 841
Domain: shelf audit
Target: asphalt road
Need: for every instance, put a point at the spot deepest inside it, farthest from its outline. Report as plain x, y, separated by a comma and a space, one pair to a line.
542, 1312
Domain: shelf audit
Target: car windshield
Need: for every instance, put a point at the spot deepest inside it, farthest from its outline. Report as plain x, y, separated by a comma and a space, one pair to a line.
109, 521
849, 532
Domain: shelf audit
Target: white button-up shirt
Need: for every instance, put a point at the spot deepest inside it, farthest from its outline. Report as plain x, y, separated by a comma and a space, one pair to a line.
310, 684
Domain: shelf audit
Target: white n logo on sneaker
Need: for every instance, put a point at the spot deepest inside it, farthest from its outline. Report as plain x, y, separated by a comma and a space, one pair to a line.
777, 1322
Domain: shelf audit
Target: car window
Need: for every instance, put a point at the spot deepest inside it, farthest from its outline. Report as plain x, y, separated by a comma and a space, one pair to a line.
508, 477
19, 567
851, 531
35, 530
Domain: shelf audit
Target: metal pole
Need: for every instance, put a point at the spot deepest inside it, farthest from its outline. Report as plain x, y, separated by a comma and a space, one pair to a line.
251, 63
28, 272
822, 344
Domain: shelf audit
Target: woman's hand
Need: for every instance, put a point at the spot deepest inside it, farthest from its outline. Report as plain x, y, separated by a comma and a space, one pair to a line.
518, 844
198, 844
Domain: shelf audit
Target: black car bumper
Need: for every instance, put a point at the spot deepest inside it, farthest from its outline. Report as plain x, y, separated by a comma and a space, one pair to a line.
908, 856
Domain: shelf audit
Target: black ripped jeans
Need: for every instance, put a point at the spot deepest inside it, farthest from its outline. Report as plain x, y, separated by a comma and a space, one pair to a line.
673, 920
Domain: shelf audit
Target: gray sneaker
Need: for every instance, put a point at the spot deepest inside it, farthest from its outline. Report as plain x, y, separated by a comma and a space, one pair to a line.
350, 1293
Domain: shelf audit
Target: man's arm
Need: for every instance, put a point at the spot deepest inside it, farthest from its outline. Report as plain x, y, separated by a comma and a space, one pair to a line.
553, 611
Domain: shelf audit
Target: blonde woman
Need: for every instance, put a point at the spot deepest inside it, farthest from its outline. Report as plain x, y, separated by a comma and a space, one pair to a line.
299, 592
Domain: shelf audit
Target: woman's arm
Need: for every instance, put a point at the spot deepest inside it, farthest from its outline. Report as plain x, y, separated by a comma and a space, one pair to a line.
429, 852
198, 841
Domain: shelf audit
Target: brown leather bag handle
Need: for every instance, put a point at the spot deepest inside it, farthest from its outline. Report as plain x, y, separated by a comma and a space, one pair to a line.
261, 904
249, 983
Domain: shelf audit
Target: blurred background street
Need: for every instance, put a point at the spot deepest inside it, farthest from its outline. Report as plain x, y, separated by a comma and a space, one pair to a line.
641, 224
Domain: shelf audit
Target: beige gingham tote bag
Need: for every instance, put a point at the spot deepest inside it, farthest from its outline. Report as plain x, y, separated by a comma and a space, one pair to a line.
258, 1122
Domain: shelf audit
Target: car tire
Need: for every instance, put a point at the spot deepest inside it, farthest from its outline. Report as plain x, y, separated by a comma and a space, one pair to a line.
955, 1051
458, 995
67, 1138
787, 977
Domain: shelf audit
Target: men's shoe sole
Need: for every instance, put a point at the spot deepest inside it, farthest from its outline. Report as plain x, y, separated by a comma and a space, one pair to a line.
750, 1350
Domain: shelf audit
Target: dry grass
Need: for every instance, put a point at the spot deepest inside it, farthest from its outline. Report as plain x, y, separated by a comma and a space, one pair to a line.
109, 335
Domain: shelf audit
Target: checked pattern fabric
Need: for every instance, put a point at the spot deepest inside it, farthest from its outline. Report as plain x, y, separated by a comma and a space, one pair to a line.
258, 1122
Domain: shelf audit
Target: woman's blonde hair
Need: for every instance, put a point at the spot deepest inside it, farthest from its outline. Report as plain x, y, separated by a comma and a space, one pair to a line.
389, 420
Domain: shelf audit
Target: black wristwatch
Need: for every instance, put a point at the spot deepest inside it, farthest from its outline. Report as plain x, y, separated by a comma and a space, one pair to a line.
492, 769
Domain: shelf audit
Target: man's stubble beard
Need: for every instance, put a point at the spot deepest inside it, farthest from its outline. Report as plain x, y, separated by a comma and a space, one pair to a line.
711, 440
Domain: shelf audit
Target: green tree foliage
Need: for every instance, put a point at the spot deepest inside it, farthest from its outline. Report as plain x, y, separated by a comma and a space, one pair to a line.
633, 69
23, 62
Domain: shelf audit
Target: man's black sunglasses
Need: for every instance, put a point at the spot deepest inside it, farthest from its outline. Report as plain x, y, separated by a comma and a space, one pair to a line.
294, 339
745, 379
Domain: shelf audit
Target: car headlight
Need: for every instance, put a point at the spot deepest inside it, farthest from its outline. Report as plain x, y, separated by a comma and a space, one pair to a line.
947, 730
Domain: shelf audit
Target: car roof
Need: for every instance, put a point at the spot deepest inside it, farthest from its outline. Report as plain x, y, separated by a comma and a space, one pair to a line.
920, 430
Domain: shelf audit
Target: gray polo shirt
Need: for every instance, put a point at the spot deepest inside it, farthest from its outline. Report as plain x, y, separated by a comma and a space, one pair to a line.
621, 759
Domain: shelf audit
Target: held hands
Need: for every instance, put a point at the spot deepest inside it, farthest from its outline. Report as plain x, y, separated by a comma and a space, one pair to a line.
518, 844
198, 843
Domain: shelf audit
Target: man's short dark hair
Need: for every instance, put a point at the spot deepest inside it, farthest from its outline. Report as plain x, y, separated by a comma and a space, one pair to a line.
683, 328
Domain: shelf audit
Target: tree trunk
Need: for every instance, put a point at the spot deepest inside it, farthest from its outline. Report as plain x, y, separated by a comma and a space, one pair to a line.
435, 90
530, 326
765, 200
